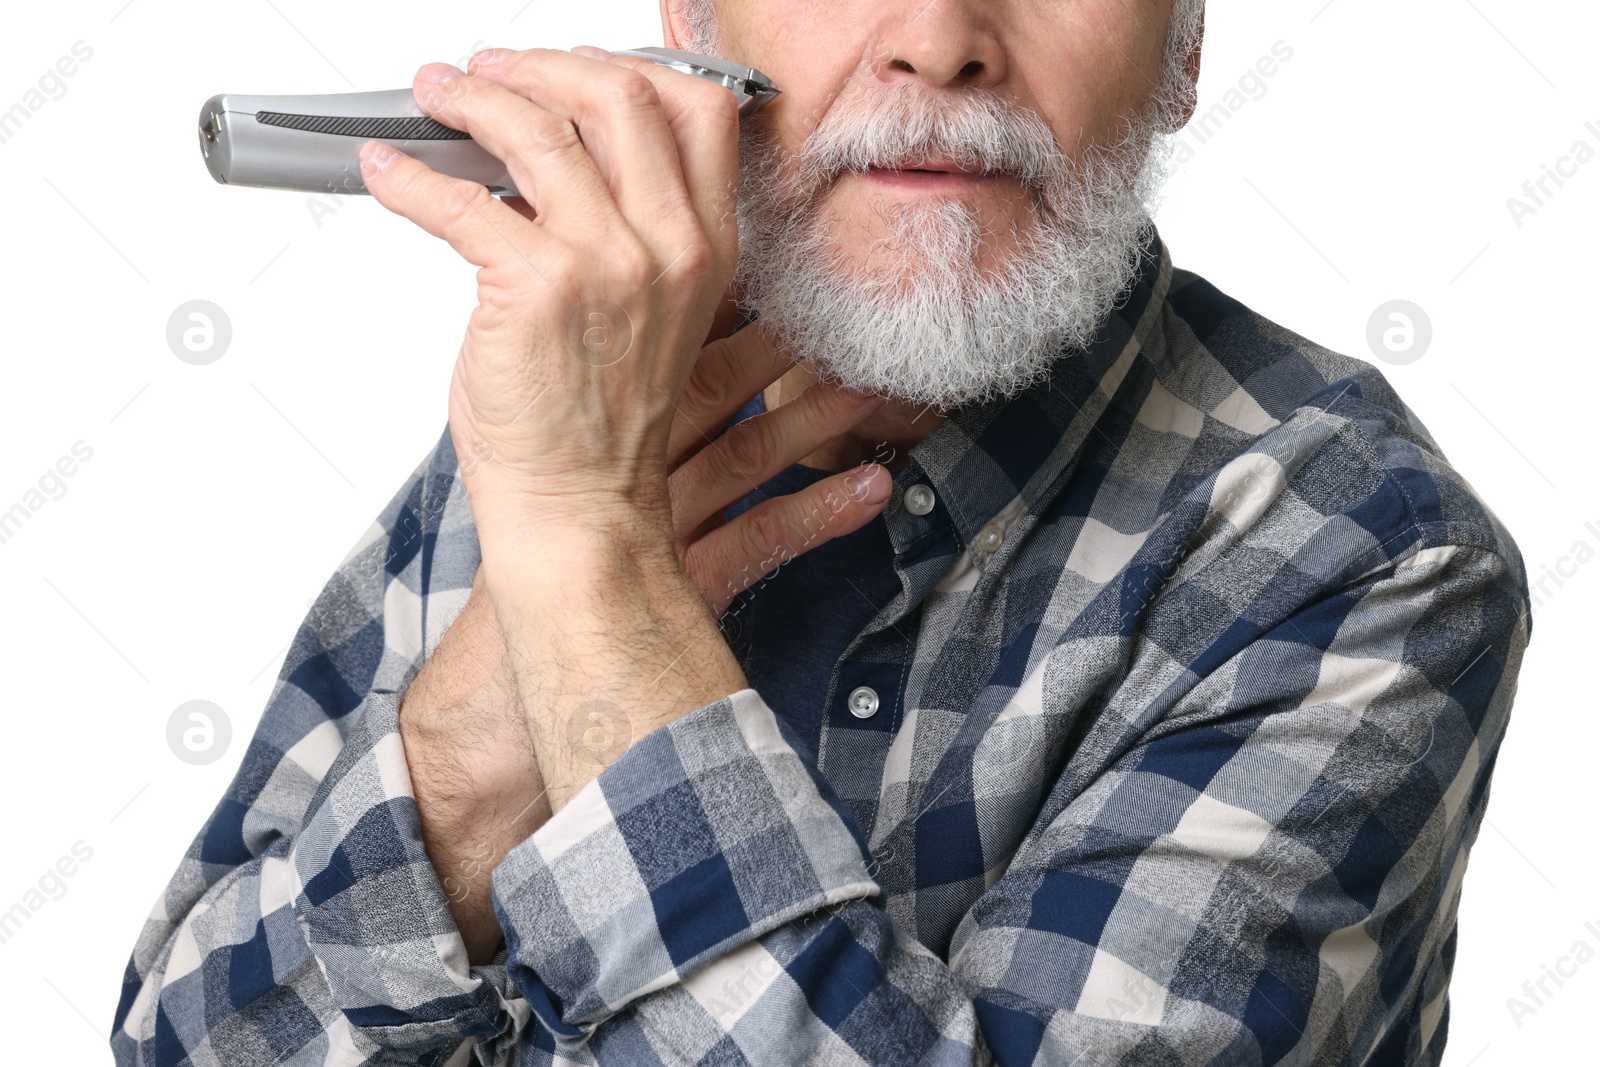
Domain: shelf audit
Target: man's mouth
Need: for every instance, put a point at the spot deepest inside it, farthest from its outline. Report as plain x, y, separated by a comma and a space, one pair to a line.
928, 174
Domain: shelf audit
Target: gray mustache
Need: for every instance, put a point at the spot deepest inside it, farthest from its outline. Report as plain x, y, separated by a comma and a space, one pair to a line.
897, 127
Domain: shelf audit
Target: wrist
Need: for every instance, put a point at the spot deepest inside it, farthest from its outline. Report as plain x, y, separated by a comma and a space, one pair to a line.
611, 645
567, 556
568, 506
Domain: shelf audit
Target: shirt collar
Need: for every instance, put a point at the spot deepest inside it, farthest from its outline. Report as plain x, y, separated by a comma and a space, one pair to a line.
986, 457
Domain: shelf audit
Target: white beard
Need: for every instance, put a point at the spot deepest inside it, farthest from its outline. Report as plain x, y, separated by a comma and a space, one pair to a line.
934, 328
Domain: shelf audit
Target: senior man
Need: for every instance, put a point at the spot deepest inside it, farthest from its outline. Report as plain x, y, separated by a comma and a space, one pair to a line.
889, 616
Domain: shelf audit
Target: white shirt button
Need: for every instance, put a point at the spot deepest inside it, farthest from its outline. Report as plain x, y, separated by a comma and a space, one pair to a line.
990, 538
863, 702
919, 499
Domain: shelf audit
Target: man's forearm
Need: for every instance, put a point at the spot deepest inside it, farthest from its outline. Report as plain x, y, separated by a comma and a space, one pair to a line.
618, 650
609, 640
472, 764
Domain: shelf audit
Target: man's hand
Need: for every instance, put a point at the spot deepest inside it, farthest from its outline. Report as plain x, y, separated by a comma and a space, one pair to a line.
577, 383
591, 313
473, 769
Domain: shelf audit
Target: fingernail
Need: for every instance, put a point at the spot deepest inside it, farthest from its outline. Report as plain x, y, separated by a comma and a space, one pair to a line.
377, 155
439, 73
487, 57
872, 485
591, 51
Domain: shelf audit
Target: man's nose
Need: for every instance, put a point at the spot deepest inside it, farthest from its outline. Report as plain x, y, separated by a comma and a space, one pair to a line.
945, 44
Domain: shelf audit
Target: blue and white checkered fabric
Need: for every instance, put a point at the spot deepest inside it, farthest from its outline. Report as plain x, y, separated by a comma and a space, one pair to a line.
1181, 768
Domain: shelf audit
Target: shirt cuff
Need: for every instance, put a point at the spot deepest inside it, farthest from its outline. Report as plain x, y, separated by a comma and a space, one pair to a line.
374, 914
705, 835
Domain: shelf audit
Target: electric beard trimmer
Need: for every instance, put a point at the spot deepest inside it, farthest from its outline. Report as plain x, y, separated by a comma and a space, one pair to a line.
313, 143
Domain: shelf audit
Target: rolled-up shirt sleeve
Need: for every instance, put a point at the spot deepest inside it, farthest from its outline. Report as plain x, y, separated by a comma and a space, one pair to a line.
372, 910
304, 923
697, 841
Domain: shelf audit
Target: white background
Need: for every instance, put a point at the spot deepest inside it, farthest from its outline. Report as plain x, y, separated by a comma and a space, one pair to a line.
218, 500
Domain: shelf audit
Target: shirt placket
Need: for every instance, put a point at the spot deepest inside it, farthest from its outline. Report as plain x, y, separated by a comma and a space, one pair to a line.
866, 693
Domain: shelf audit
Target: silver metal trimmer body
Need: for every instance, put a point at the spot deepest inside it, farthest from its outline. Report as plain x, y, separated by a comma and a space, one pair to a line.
313, 143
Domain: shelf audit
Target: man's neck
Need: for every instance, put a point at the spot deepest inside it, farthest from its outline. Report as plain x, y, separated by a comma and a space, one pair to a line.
887, 437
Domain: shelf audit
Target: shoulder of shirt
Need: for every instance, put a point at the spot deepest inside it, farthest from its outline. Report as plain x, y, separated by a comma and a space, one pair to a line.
1268, 378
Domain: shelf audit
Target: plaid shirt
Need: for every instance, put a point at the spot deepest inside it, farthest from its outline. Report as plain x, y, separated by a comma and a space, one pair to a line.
1187, 708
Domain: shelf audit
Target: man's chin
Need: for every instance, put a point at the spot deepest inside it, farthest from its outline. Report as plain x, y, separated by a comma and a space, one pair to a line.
876, 258
927, 377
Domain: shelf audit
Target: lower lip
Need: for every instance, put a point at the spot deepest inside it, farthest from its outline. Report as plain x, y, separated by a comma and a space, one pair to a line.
922, 179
